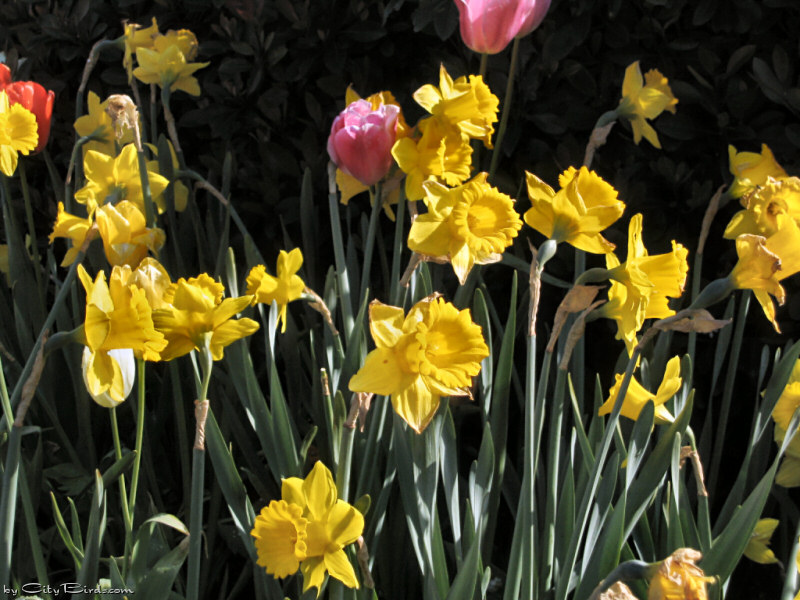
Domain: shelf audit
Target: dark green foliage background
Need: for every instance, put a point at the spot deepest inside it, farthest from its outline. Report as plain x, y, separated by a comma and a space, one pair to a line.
279, 70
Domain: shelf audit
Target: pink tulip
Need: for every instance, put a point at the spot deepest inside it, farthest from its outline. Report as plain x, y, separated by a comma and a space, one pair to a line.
487, 26
361, 140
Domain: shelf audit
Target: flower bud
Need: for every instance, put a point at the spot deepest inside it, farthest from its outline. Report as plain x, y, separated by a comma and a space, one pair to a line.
487, 26
361, 140
113, 393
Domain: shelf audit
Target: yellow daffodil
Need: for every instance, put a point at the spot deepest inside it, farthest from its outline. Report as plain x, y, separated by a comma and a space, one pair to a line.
332, 525
433, 351
18, 134
117, 316
197, 316
72, 227
644, 99
764, 263
679, 578
167, 64
467, 103
638, 396
467, 225
122, 360
284, 288
766, 208
97, 125
126, 237
180, 193
280, 533
442, 152
751, 169
583, 207
136, 37
642, 286
111, 179
757, 547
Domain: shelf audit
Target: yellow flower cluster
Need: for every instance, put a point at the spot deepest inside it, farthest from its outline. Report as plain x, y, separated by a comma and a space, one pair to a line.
431, 352
460, 109
767, 230
308, 529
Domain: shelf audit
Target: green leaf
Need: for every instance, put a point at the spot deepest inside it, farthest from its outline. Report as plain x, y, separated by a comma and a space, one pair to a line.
88, 574
157, 584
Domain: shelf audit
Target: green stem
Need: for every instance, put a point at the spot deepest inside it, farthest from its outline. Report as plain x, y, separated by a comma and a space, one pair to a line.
8, 502
137, 461
790, 583
369, 244
73, 161
483, 65
198, 476
171, 129
727, 393
123, 493
582, 516
512, 67
149, 213
397, 256
579, 353
553, 460
345, 461
697, 266
341, 264
703, 513
37, 260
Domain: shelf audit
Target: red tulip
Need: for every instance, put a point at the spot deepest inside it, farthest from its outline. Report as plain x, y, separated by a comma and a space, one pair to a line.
32, 96
487, 26
361, 140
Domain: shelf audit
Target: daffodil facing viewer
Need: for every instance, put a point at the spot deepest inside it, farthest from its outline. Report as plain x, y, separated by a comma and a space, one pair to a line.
308, 529
583, 207
644, 99
433, 351
284, 288
471, 224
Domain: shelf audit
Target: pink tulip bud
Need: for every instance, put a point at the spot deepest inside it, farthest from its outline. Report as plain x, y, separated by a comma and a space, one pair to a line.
361, 140
487, 26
